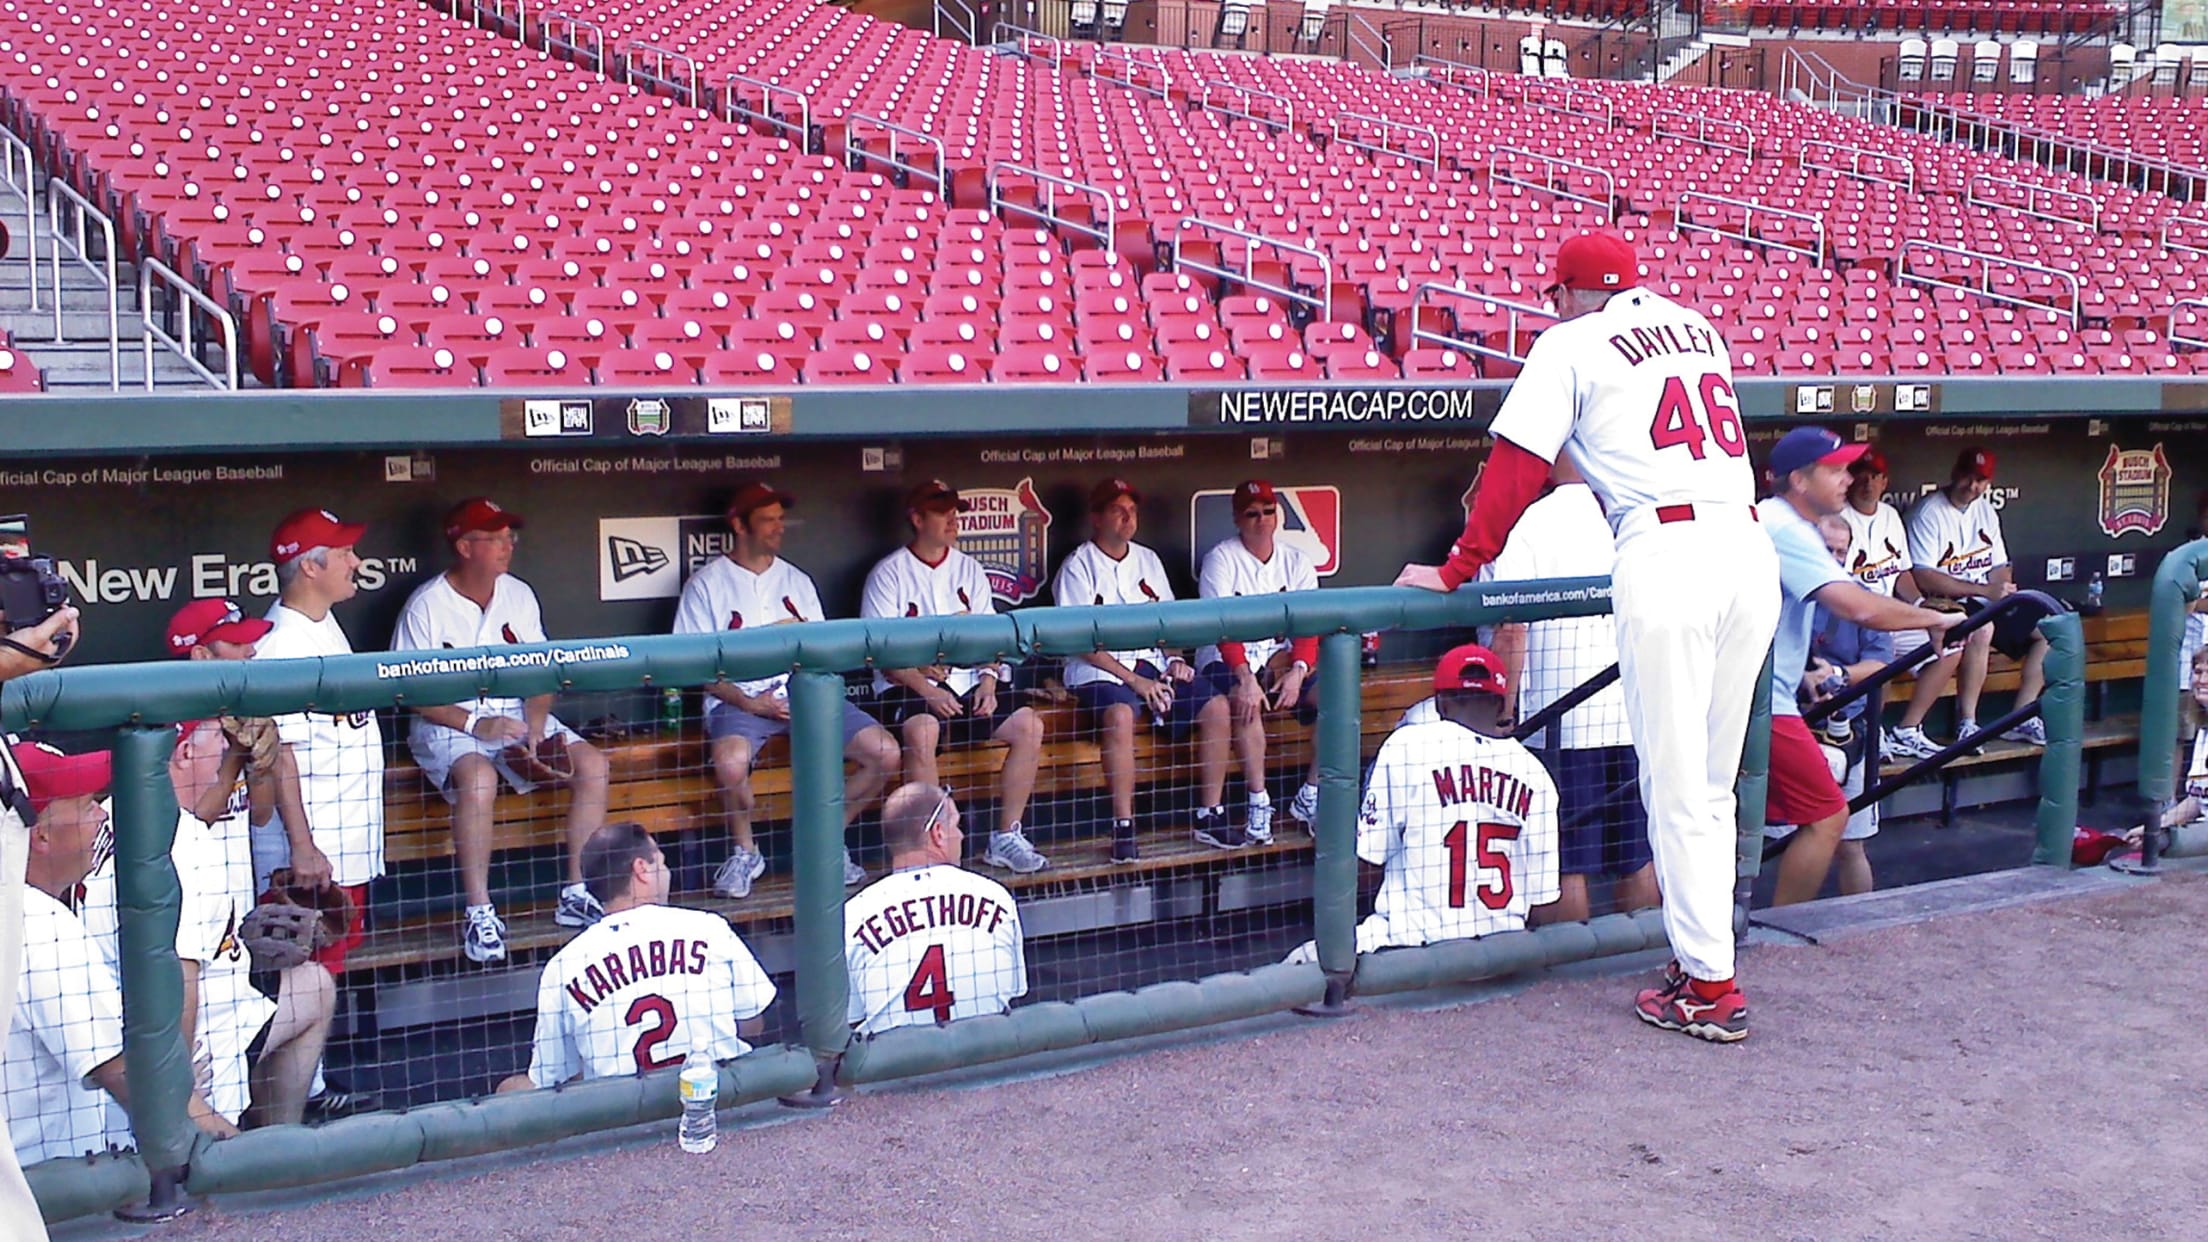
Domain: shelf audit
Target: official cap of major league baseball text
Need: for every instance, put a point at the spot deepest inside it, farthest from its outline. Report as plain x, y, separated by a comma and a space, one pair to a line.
1871, 462
1254, 492
49, 775
1110, 490
936, 494
479, 515
757, 496
311, 528
1974, 463
1602, 261
206, 621
1471, 667
1804, 447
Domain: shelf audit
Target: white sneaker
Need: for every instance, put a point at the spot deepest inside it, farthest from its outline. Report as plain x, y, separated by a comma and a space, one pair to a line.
1305, 808
735, 876
1909, 742
577, 907
485, 937
1012, 851
1259, 825
853, 874
2032, 732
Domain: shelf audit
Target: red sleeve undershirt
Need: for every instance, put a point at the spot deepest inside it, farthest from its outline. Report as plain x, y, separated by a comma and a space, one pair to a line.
1234, 655
1512, 481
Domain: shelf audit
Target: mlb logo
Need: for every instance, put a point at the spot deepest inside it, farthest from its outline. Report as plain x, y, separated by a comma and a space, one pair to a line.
1310, 522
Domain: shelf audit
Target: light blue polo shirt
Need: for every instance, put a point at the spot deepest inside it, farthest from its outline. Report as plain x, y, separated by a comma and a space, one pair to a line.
1805, 565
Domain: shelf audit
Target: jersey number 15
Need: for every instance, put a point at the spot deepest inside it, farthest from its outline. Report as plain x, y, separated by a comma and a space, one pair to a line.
1678, 421
1486, 856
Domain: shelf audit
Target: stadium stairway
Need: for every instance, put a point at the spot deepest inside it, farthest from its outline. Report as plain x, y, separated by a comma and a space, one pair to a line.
80, 361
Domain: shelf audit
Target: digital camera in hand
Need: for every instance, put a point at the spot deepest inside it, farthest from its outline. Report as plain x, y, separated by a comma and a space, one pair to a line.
30, 590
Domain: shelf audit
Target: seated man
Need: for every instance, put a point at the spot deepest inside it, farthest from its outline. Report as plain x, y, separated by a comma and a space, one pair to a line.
1956, 544
645, 984
1111, 568
465, 749
930, 577
1461, 818
930, 941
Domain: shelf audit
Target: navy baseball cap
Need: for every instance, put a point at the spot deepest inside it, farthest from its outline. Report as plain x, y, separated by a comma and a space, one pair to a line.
1804, 447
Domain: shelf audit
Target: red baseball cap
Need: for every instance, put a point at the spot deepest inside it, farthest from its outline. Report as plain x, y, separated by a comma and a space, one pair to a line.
1254, 491
478, 515
1976, 463
1603, 261
206, 621
1871, 462
1110, 490
50, 776
936, 494
757, 496
1471, 667
311, 528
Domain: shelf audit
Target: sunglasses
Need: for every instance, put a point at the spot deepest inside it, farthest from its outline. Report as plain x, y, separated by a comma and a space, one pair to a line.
1267, 511
935, 816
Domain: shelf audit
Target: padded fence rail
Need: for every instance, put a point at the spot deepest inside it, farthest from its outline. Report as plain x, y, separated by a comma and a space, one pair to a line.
138, 704
2176, 588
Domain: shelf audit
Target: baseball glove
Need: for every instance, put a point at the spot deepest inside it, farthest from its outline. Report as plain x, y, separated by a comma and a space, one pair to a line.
291, 922
547, 764
254, 736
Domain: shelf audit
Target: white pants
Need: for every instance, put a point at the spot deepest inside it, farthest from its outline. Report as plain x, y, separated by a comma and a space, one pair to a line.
19, 1219
1696, 603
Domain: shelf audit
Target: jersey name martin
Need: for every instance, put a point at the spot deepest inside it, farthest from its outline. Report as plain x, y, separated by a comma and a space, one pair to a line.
1485, 785
649, 960
929, 910
1663, 340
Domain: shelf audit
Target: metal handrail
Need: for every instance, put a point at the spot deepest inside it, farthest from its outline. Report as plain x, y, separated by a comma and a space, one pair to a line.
1518, 312
10, 147
1703, 124
1750, 209
150, 330
940, 174
1022, 36
1529, 88
1324, 301
1204, 102
2169, 243
58, 197
660, 58
1048, 209
574, 25
1608, 203
2091, 222
1379, 145
1351, 22
497, 9
1858, 156
1442, 71
1986, 263
1108, 56
970, 24
732, 108
2174, 336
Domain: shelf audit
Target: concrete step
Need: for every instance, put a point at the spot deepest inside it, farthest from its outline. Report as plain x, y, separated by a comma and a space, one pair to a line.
32, 327
86, 367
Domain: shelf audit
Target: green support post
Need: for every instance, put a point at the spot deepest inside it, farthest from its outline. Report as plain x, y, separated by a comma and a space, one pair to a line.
1750, 792
2062, 714
2176, 586
149, 901
1334, 869
816, 787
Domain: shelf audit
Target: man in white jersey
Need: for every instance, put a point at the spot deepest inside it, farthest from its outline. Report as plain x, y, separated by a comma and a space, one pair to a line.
1955, 539
645, 985
1639, 391
1602, 826
465, 749
932, 706
1878, 557
1114, 686
930, 941
1460, 817
332, 814
749, 587
1265, 674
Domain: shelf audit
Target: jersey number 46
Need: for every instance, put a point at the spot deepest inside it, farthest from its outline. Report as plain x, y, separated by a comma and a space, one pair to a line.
1679, 421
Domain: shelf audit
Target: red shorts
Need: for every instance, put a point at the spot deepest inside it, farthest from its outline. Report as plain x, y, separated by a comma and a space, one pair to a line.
1802, 789
332, 957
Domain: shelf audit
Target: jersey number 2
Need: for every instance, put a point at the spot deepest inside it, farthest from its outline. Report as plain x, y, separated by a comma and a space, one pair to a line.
1486, 856
660, 1012
1678, 421
930, 988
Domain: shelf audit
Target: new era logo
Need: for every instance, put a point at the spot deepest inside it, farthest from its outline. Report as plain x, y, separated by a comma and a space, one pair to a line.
629, 558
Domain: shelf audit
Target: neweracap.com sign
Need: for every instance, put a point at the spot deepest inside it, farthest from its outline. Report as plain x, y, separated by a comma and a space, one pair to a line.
1343, 407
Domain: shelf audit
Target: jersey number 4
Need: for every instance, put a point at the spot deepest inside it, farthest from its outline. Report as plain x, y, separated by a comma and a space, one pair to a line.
1678, 421
660, 1013
930, 989
1486, 856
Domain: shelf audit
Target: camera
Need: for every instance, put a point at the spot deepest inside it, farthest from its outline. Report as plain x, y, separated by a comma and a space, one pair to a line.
1833, 685
30, 590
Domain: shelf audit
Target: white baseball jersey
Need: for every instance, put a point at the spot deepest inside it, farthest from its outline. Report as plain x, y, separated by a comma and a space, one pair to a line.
1465, 827
1564, 535
2196, 772
340, 758
931, 944
67, 1022
1878, 547
437, 615
1231, 569
638, 990
1961, 543
903, 585
723, 595
1089, 577
1641, 394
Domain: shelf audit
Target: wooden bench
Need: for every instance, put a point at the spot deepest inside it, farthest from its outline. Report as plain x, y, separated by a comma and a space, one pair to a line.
2115, 647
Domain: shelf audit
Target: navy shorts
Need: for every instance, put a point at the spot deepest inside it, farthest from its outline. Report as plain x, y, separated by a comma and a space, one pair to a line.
722, 720
1189, 698
1600, 837
896, 705
1307, 702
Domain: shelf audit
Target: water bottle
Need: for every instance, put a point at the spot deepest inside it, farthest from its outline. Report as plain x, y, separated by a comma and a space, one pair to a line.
701, 1086
670, 710
2093, 592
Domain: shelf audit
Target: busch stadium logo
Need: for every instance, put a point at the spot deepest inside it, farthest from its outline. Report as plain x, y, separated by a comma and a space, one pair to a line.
2135, 491
1008, 531
1310, 522
651, 557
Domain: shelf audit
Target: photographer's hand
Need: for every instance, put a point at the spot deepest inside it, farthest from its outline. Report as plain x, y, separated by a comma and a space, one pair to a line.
39, 646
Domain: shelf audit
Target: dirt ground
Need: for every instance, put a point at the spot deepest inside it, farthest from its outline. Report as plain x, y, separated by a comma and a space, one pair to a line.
2027, 1073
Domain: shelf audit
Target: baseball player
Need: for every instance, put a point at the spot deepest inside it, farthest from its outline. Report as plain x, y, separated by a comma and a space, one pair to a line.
1878, 557
1955, 539
465, 749
930, 941
1563, 535
1809, 470
1267, 674
646, 984
930, 577
1112, 686
1639, 391
331, 814
1460, 817
752, 586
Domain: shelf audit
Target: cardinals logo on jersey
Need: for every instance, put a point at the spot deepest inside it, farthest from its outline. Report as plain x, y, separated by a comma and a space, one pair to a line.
912, 610
735, 620
790, 606
1143, 585
965, 602
230, 946
507, 632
